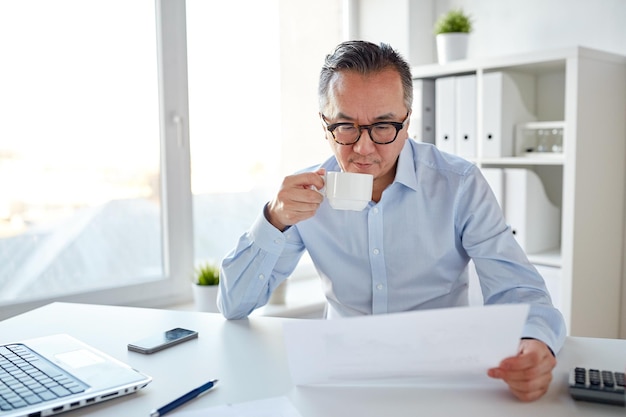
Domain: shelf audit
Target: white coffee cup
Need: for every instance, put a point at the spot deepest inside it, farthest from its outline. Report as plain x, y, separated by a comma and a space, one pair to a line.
348, 190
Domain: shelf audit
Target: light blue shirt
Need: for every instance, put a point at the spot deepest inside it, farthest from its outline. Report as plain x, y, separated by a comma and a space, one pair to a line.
409, 251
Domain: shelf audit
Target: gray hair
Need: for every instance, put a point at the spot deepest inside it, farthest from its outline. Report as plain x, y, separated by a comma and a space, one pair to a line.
365, 58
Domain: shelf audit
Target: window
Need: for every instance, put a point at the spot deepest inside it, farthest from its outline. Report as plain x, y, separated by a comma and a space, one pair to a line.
95, 167
253, 106
234, 112
79, 155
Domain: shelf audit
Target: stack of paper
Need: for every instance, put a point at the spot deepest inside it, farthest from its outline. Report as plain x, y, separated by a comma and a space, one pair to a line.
421, 343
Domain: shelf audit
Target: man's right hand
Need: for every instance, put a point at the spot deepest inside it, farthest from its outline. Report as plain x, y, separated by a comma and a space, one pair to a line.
297, 199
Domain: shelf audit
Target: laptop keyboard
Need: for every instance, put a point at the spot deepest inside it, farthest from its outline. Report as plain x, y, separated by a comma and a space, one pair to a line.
26, 378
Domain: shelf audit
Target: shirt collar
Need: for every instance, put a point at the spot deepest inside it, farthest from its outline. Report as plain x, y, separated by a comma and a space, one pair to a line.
406, 172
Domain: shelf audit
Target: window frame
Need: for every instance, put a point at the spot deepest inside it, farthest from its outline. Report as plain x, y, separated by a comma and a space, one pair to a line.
175, 181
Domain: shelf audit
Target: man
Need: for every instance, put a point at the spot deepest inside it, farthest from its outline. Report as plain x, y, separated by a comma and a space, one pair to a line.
409, 249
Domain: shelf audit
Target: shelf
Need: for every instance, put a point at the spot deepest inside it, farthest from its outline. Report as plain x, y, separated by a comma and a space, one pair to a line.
577, 90
535, 62
552, 159
547, 61
548, 258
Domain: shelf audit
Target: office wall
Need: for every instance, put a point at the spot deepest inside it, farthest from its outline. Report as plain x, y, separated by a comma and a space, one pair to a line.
404, 24
501, 26
505, 26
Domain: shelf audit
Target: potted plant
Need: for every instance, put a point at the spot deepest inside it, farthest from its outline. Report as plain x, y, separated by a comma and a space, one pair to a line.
206, 281
452, 31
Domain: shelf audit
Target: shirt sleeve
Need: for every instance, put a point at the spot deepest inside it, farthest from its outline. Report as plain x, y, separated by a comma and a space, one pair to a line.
505, 273
260, 262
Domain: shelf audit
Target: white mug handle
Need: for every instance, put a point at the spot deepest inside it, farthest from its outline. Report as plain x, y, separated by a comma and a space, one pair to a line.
322, 190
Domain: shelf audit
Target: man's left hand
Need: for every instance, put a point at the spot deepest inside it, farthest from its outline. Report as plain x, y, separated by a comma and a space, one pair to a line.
530, 372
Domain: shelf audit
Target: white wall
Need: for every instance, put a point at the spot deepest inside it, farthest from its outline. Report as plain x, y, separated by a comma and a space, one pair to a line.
506, 27
404, 24
398, 23
502, 27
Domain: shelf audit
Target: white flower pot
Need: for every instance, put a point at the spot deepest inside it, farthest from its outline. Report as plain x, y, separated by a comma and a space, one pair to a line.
451, 46
205, 297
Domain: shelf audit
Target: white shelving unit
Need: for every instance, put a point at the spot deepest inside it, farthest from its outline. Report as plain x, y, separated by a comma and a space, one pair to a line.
584, 91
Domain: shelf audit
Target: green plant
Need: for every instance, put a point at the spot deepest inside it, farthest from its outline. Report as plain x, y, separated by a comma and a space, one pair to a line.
207, 274
454, 21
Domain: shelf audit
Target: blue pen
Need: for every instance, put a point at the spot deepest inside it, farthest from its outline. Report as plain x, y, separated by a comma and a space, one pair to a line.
182, 400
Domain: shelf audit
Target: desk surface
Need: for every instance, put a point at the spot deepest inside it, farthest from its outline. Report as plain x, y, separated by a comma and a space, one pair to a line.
249, 359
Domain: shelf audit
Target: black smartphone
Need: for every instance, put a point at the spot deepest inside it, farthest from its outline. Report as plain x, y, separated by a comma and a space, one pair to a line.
161, 341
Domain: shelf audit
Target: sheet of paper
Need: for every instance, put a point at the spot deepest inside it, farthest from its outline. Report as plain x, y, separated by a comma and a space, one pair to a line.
458, 341
270, 407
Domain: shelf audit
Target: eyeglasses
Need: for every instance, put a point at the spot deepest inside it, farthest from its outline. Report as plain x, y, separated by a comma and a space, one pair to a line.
381, 133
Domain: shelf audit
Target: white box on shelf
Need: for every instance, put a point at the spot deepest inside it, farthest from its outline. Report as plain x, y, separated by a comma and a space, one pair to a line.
508, 99
466, 115
534, 219
422, 123
553, 279
445, 117
495, 179
536, 139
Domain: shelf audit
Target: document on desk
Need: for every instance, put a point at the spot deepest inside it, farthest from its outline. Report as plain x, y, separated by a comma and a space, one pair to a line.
439, 342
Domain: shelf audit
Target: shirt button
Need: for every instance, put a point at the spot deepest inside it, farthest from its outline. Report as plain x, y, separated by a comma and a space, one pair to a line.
375, 251
375, 210
379, 287
277, 241
261, 277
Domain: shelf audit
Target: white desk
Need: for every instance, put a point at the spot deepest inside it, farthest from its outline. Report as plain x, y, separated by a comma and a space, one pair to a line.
248, 357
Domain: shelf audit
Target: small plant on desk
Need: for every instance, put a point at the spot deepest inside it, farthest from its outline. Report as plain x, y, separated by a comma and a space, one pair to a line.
206, 281
207, 274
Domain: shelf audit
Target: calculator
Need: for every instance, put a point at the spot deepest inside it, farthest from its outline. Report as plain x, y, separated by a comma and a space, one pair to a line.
595, 385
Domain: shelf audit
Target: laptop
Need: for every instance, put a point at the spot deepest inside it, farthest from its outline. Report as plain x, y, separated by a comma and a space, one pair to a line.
57, 373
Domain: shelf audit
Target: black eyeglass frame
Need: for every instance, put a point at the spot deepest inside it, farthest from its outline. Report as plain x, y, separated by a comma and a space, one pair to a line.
397, 125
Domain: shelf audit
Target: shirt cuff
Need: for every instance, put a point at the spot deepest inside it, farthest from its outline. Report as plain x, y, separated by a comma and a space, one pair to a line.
266, 236
549, 348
